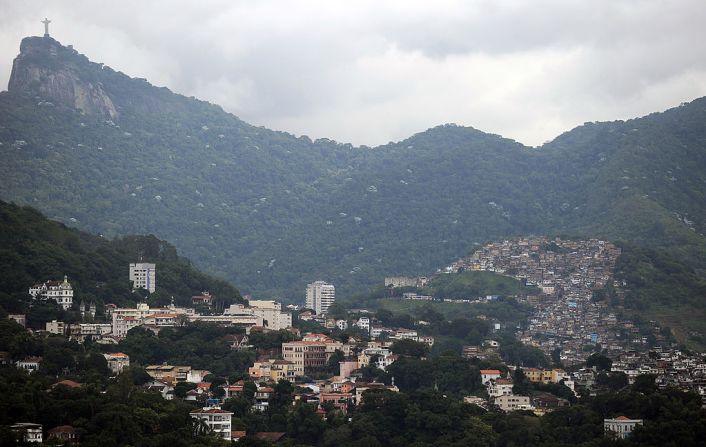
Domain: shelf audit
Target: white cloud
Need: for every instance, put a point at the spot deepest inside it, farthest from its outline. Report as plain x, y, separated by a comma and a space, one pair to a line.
369, 72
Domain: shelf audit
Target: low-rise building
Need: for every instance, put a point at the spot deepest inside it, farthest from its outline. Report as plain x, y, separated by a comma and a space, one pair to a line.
20, 319
205, 299
262, 398
29, 364
363, 323
271, 313
63, 434
511, 402
217, 420
55, 327
340, 400
486, 375
58, 291
361, 388
499, 387
28, 432
273, 370
173, 373
117, 361
620, 427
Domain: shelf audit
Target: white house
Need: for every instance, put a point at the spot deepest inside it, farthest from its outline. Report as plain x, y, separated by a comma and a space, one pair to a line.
28, 431
363, 323
486, 375
620, 427
58, 291
117, 361
499, 387
29, 364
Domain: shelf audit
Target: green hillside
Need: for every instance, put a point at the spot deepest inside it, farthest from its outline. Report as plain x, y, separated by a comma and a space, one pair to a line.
34, 249
271, 211
470, 285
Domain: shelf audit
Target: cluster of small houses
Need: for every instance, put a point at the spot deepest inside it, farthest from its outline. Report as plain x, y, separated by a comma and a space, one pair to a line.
310, 355
565, 317
567, 273
297, 360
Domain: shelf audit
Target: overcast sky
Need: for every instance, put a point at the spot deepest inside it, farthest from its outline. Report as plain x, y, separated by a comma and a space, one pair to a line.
369, 72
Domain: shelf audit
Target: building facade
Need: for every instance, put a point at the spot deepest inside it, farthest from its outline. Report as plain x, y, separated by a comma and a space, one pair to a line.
217, 420
271, 313
620, 427
28, 432
59, 291
320, 296
511, 402
143, 276
117, 361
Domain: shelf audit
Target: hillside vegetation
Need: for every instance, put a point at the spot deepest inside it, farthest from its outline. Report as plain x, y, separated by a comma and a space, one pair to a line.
271, 211
471, 285
34, 249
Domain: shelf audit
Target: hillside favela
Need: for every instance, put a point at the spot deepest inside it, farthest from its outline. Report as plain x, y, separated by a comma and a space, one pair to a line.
172, 275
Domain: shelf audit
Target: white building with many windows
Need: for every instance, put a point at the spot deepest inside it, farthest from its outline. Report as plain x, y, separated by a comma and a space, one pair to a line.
217, 420
320, 296
143, 276
58, 291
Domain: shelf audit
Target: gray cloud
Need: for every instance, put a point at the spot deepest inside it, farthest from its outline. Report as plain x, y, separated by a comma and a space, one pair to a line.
369, 72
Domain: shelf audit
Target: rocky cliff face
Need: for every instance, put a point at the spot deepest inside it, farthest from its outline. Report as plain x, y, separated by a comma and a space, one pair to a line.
60, 74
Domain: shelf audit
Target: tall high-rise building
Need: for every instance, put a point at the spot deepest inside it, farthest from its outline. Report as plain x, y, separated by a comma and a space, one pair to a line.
143, 276
320, 296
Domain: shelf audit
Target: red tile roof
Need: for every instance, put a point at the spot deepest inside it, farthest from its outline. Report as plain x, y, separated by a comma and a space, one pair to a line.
69, 383
270, 436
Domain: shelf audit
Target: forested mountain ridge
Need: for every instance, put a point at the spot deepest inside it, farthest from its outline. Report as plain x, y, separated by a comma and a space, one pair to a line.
271, 211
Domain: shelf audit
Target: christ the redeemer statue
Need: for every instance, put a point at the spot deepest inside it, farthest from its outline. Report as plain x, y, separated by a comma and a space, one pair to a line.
46, 23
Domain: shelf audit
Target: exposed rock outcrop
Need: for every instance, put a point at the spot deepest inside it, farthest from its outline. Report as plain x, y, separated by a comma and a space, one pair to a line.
60, 74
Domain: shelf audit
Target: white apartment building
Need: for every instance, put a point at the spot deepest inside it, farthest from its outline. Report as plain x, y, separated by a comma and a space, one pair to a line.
320, 296
364, 323
499, 387
217, 420
511, 402
61, 292
271, 313
125, 319
143, 276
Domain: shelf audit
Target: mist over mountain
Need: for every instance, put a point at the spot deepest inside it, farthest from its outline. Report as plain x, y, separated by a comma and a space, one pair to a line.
96, 149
